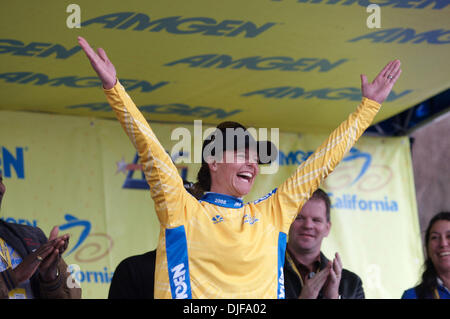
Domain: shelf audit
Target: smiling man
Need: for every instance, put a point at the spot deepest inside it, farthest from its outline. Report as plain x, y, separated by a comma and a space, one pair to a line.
308, 274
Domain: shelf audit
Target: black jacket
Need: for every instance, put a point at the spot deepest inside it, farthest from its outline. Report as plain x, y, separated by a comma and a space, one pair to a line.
24, 239
134, 278
349, 288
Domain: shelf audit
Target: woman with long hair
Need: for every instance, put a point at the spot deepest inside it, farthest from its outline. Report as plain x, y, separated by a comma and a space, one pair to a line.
219, 246
435, 283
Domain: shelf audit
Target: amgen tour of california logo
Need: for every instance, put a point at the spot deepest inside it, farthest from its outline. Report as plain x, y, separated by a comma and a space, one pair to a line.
139, 182
352, 170
89, 247
354, 189
347, 174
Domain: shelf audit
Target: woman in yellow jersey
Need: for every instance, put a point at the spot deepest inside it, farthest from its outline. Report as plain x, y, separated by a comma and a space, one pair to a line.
219, 247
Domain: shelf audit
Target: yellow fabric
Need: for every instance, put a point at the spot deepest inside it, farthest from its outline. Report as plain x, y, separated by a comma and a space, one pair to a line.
10, 258
4, 254
292, 64
231, 259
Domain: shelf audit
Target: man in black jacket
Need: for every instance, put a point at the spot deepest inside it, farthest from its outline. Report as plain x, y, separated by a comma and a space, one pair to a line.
308, 274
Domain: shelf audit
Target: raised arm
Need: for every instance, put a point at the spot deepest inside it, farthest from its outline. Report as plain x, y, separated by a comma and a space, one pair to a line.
166, 185
297, 189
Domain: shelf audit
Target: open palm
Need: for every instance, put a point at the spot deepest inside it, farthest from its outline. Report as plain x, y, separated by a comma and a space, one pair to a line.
101, 64
382, 85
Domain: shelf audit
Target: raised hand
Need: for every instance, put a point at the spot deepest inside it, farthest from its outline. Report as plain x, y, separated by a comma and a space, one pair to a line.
101, 64
382, 85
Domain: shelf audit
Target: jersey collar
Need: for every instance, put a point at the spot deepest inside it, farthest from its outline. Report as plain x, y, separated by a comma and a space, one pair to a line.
222, 200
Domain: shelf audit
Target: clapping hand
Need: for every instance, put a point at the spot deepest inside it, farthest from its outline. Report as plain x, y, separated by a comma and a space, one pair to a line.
45, 258
312, 286
328, 278
49, 266
331, 290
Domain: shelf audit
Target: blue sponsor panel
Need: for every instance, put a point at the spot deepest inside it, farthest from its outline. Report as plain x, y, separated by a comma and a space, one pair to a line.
177, 263
282, 240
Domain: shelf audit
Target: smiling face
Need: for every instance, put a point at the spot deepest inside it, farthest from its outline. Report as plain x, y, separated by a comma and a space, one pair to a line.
310, 227
439, 246
235, 173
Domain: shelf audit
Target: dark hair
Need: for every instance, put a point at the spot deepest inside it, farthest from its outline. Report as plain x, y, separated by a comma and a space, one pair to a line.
320, 194
425, 289
233, 136
203, 183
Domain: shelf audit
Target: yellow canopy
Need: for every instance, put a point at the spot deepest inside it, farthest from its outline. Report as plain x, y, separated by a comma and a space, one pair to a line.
290, 64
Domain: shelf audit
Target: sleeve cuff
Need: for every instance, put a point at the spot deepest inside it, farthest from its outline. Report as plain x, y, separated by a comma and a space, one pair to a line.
114, 88
371, 103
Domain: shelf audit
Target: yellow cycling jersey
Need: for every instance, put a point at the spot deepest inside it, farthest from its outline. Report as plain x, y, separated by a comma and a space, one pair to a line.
220, 247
